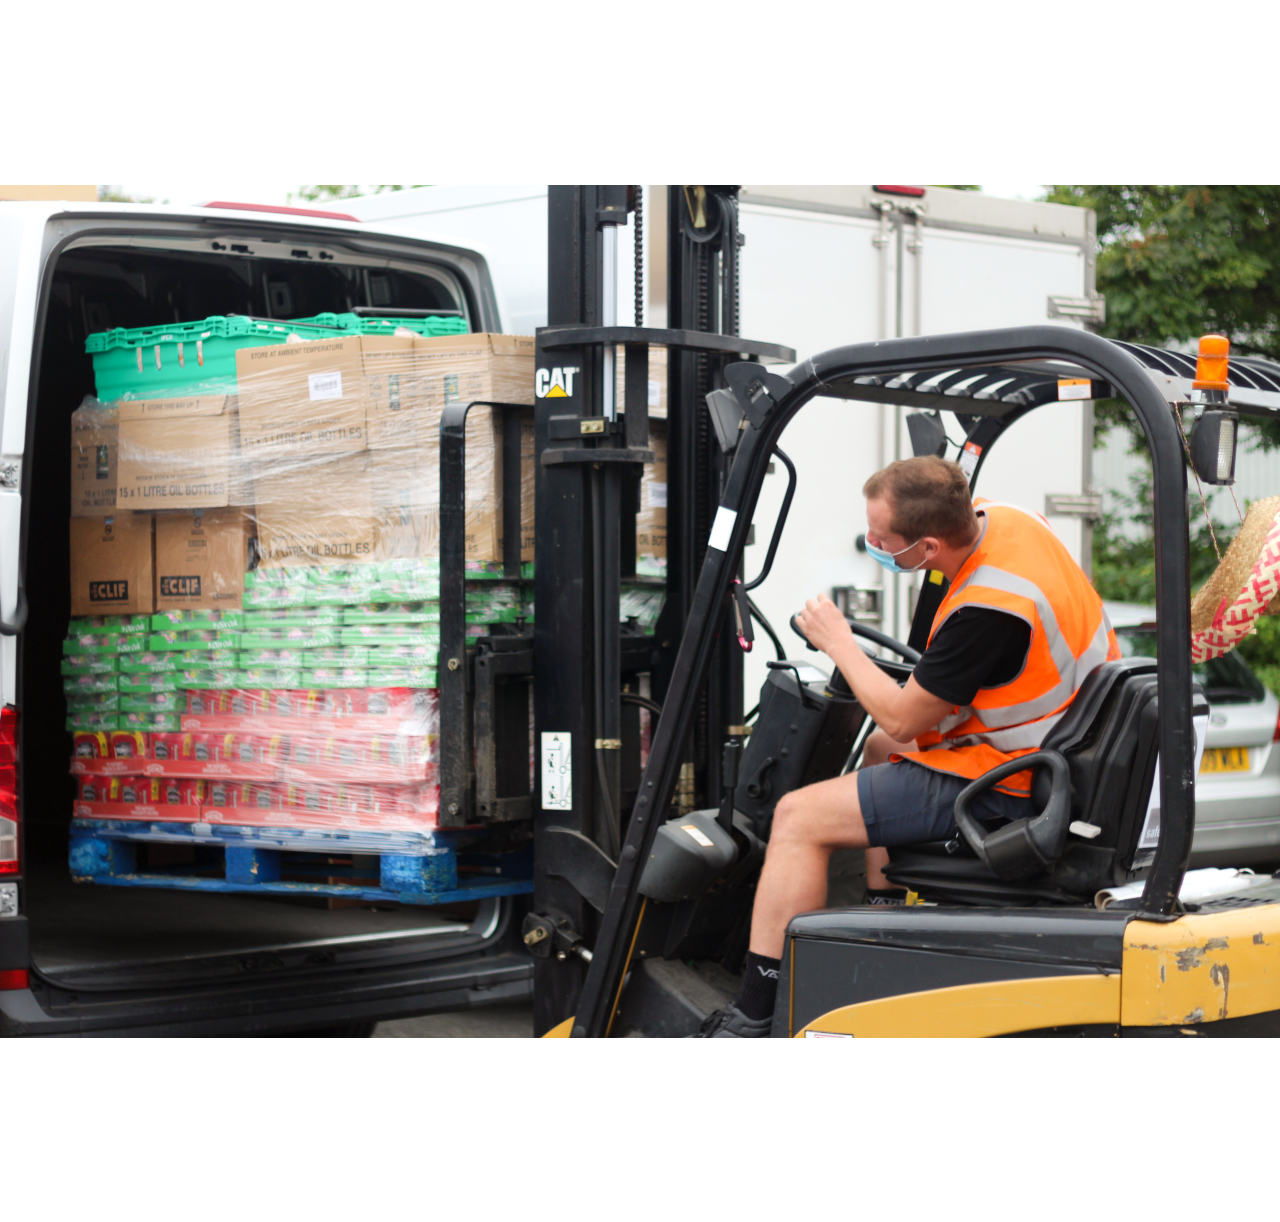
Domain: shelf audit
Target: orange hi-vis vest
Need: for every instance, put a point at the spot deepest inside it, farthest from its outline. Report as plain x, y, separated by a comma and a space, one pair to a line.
1019, 567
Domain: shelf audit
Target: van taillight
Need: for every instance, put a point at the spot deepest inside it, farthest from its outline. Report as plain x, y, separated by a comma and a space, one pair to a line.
8, 791
1275, 734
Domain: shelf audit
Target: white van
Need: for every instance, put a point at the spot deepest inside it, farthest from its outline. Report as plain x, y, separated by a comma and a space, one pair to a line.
83, 959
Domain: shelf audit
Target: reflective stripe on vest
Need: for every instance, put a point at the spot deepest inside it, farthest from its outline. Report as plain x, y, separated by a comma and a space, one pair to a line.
1015, 717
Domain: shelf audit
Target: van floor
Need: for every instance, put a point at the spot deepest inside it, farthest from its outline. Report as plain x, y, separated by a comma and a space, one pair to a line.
79, 926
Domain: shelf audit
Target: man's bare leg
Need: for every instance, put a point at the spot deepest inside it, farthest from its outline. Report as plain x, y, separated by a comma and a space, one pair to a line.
807, 824
878, 748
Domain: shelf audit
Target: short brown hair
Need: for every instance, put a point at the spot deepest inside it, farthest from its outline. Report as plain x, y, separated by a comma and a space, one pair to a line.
926, 496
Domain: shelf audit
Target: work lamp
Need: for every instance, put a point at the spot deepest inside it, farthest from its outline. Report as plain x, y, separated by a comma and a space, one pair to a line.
1213, 447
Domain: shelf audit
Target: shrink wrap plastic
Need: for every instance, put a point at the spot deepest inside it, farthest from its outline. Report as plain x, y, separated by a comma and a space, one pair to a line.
287, 675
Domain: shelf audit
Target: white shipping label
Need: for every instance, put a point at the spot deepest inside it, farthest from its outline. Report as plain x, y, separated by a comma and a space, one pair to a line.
722, 529
1150, 835
657, 496
557, 771
325, 385
655, 392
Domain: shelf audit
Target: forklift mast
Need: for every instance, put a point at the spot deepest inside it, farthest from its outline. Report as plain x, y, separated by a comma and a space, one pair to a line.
590, 451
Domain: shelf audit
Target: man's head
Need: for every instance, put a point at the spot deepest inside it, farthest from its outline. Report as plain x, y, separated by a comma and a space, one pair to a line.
921, 509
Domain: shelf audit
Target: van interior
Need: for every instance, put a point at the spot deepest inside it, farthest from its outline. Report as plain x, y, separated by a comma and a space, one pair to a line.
117, 943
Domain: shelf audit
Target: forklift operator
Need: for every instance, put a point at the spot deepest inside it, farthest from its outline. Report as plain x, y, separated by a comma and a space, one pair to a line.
1017, 632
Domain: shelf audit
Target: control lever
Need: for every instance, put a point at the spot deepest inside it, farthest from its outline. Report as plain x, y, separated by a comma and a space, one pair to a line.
742, 617
728, 783
837, 685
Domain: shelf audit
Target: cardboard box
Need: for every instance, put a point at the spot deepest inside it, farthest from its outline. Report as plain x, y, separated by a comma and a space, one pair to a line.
317, 513
397, 409
113, 565
302, 403
181, 454
465, 368
651, 521
657, 381
94, 460
406, 492
201, 558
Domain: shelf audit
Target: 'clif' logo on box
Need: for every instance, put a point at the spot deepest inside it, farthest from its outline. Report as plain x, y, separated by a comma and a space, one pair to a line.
180, 587
555, 383
108, 591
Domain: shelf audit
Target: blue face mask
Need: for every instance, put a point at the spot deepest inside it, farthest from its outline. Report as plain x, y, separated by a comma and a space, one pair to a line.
889, 559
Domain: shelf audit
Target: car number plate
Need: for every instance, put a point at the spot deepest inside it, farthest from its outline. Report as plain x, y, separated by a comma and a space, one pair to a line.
1225, 759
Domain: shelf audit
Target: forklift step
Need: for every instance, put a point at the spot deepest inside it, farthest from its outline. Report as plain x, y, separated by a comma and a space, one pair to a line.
404, 867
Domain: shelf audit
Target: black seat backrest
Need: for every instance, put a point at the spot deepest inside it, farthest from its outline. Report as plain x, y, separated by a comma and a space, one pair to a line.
1109, 739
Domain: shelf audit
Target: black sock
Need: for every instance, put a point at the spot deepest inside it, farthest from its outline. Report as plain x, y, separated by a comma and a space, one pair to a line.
887, 897
759, 986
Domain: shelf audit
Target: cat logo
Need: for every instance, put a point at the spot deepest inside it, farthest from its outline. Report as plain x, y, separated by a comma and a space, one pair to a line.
554, 383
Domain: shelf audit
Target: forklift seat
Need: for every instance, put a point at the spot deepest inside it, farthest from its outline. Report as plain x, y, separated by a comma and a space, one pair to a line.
1107, 742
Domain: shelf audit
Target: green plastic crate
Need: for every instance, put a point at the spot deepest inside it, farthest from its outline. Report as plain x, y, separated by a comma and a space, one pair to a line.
186, 358
353, 324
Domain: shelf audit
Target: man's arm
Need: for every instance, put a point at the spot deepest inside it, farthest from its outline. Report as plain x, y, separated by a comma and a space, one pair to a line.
903, 713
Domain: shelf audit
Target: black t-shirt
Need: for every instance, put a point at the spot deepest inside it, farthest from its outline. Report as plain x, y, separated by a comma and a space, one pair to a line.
976, 647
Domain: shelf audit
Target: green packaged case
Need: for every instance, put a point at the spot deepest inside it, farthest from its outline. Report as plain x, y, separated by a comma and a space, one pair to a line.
392, 634
124, 625
136, 684
103, 644
90, 664
293, 617
150, 664
228, 620
99, 702
88, 685
154, 702
393, 613
266, 677
80, 721
158, 722
346, 676
404, 676
295, 638
186, 640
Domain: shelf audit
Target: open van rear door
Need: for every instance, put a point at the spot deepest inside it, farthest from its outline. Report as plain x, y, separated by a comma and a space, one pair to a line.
21, 230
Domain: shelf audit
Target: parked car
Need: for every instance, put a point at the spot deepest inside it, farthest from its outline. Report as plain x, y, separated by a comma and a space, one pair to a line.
1238, 787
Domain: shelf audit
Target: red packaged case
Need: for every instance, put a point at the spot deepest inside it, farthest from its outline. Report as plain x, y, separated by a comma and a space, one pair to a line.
170, 746
203, 746
92, 745
306, 749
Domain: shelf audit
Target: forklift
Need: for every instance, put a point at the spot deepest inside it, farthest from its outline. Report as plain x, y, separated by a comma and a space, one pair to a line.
644, 879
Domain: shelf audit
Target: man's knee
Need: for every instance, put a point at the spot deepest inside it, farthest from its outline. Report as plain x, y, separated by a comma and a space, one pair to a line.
789, 821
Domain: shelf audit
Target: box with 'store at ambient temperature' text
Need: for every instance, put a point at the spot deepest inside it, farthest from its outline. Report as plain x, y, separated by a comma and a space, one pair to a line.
112, 565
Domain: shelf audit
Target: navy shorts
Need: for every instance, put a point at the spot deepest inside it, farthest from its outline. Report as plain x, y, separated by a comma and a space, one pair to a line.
907, 803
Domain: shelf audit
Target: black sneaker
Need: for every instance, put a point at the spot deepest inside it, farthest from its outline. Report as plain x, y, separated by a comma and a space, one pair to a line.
731, 1023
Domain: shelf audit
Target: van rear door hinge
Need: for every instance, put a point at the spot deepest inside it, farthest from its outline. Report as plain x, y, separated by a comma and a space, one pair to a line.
1092, 309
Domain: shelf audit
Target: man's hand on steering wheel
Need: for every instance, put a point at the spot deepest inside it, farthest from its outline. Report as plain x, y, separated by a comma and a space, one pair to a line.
823, 624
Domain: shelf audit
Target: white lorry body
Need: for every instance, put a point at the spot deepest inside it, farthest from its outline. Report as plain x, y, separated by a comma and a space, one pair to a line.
823, 267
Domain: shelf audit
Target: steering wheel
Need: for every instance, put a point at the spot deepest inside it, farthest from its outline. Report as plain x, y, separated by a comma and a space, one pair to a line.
905, 652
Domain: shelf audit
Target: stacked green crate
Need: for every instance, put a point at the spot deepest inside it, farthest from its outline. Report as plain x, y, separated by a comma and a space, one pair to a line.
92, 656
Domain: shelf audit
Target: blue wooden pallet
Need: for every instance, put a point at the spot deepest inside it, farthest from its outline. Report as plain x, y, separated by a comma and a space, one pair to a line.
412, 868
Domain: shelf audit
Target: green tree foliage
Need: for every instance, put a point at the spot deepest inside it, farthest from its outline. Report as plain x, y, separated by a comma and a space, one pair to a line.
1175, 263
323, 194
